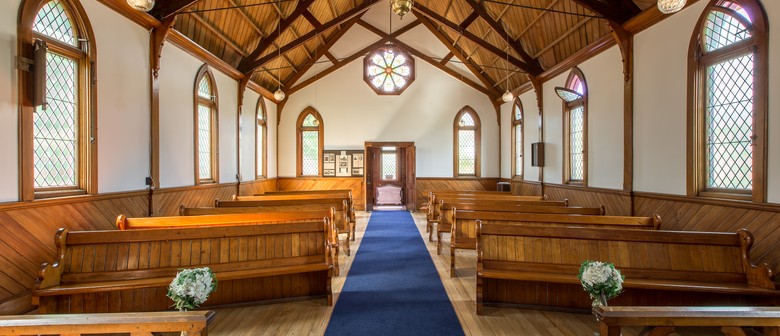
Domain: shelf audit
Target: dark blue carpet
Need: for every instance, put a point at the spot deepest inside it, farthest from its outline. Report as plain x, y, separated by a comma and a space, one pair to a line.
393, 287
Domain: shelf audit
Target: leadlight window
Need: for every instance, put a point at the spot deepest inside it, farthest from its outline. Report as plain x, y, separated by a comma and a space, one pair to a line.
309, 143
467, 142
206, 128
730, 54
389, 164
574, 97
388, 70
63, 148
517, 138
261, 139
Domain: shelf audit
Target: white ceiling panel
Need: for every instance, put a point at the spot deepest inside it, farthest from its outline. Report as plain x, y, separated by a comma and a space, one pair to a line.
322, 64
459, 67
381, 16
353, 41
424, 41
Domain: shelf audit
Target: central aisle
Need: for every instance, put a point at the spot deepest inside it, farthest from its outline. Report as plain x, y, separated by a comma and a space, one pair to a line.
393, 287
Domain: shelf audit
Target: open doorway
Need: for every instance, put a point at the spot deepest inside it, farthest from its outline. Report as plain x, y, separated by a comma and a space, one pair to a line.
390, 175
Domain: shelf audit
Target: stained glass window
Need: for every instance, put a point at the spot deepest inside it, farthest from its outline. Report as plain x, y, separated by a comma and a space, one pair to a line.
389, 70
517, 145
467, 132
205, 119
309, 143
576, 143
389, 164
574, 97
53, 21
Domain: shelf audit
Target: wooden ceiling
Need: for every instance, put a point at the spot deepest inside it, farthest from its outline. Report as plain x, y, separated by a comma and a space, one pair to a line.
499, 41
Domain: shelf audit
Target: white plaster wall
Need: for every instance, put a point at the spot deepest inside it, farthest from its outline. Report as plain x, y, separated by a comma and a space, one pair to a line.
506, 140
9, 110
424, 114
272, 138
177, 81
248, 126
773, 184
228, 126
530, 133
604, 76
553, 130
123, 99
660, 102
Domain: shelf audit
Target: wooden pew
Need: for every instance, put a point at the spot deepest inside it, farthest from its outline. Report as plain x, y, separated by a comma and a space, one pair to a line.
239, 216
433, 197
665, 319
339, 203
193, 322
313, 198
463, 227
129, 271
661, 268
442, 204
337, 192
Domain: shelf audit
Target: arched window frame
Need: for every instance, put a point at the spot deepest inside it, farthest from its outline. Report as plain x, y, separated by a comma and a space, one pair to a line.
698, 62
213, 104
320, 129
575, 77
477, 142
261, 141
86, 57
518, 151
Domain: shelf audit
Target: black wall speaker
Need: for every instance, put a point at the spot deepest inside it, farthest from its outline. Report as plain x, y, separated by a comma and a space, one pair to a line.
537, 154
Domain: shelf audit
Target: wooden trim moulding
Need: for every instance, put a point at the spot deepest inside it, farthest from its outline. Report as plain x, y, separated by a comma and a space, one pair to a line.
71, 200
467, 178
710, 201
619, 192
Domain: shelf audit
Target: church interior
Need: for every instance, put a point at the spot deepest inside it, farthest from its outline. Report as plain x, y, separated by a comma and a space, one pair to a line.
426, 167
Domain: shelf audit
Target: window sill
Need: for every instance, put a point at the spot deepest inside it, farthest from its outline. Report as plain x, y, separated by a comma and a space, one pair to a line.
744, 197
59, 193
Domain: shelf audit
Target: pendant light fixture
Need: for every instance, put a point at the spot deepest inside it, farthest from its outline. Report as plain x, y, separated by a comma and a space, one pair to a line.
401, 7
279, 95
141, 5
670, 6
507, 96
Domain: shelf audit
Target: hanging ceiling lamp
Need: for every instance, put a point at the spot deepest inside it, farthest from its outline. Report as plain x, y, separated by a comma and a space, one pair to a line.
141, 5
507, 96
401, 7
279, 95
670, 6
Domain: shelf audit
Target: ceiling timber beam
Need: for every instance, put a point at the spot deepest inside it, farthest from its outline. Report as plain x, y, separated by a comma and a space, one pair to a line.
501, 31
616, 11
164, 9
526, 67
266, 43
249, 66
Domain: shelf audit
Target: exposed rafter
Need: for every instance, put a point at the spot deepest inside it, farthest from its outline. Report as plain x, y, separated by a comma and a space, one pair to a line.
248, 67
164, 9
532, 69
617, 11
501, 31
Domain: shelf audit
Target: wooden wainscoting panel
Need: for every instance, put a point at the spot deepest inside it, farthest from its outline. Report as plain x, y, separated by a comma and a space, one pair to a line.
688, 214
355, 184
257, 187
426, 184
167, 201
617, 202
526, 188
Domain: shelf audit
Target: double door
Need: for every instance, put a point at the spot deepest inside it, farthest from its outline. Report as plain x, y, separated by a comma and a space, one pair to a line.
390, 164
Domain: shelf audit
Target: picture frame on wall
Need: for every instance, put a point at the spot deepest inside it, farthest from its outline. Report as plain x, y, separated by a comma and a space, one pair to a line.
342, 163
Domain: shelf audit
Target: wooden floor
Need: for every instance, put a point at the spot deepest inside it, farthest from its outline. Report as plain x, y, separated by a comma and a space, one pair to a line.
311, 317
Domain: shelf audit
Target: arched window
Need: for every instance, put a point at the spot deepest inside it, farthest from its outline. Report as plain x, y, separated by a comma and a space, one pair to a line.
206, 127
467, 143
517, 139
728, 95
575, 128
388, 70
59, 142
261, 140
309, 142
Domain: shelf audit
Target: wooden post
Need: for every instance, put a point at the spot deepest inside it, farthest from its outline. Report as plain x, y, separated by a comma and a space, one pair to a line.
156, 41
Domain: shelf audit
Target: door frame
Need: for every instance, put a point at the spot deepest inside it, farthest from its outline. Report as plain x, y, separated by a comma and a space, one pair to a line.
410, 171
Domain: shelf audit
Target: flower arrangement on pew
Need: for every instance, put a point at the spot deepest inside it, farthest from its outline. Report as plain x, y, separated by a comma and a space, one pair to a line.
601, 280
191, 287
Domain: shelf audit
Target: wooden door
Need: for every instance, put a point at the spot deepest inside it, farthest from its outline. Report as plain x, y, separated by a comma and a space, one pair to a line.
404, 172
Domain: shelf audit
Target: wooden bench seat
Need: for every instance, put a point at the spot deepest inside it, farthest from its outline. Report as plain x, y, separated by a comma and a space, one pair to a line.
129, 271
336, 192
671, 268
195, 323
241, 216
665, 319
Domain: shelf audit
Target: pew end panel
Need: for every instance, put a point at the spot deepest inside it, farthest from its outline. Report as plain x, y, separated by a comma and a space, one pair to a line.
757, 275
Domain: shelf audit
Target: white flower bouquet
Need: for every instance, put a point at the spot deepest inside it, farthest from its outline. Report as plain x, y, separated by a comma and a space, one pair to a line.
601, 280
191, 287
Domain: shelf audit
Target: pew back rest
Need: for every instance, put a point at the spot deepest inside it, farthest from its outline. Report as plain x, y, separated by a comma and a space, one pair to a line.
338, 215
125, 223
119, 256
290, 197
445, 203
639, 254
338, 202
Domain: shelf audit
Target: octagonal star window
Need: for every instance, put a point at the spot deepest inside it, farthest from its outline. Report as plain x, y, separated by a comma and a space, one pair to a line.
388, 70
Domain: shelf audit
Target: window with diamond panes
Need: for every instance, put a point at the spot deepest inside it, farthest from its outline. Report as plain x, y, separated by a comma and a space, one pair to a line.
517, 138
388, 70
261, 137
574, 97
389, 164
727, 53
60, 127
206, 128
309, 143
467, 140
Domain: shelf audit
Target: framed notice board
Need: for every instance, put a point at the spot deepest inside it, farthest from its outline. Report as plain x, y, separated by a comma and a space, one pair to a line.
342, 163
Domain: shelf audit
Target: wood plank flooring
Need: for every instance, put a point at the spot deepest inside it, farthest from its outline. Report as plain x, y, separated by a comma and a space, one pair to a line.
311, 317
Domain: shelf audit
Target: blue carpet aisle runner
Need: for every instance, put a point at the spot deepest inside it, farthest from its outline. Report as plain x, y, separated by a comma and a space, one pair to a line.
393, 287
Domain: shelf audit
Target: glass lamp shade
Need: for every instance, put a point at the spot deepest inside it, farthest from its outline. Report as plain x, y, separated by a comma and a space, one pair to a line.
279, 95
670, 6
401, 7
141, 5
507, 96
